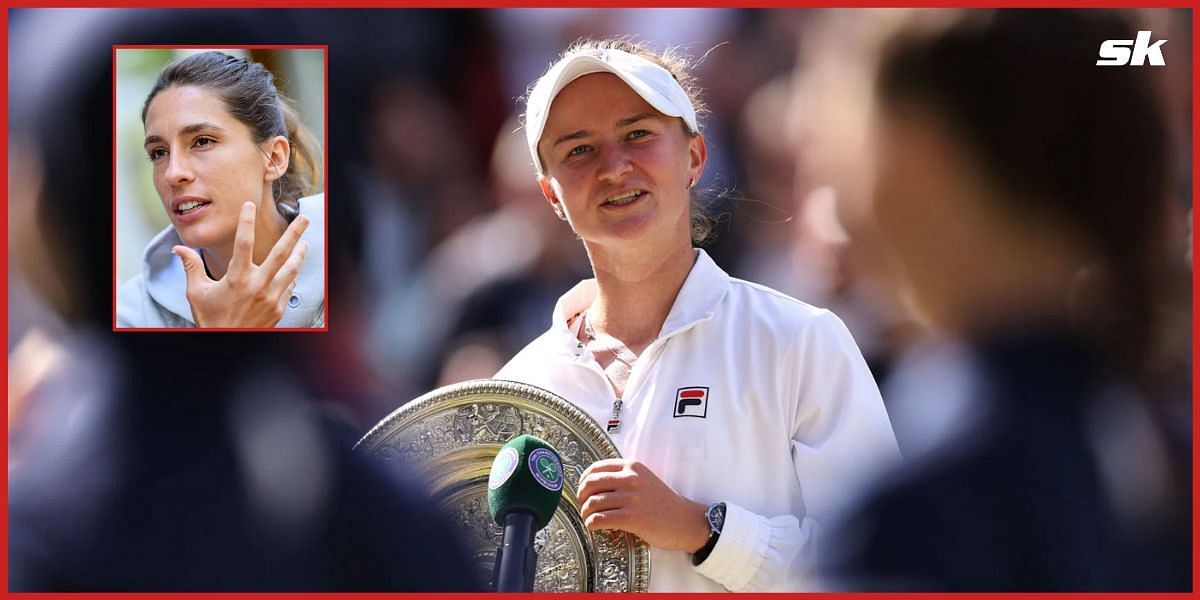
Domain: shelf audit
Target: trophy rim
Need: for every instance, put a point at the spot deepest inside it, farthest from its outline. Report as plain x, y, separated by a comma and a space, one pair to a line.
478, 389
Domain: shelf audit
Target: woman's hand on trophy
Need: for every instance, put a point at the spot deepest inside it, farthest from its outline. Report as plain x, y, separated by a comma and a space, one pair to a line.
625, 494
248, 295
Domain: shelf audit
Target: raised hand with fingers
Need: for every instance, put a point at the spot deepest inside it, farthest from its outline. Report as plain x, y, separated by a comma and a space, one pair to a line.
248, 295
624, 494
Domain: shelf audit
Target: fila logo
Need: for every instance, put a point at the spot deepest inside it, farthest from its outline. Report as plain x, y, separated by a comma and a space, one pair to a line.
1114, 53
691, 402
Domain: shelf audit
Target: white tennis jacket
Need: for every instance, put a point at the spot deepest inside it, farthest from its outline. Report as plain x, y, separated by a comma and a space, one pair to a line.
749, 397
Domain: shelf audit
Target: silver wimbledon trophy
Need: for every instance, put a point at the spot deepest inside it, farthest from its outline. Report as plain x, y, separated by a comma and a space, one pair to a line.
450, 436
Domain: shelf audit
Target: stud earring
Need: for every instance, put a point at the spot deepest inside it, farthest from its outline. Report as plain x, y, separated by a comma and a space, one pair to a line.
691, 183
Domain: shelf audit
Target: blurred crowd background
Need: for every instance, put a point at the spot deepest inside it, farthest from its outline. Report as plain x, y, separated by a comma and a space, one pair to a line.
444, 259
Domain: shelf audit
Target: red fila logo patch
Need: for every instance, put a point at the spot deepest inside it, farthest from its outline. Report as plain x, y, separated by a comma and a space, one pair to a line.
691, 402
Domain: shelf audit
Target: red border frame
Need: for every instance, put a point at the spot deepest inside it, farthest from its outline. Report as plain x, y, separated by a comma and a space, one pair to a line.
1195, 294
4, 249
4, 296
480, 4
324, 178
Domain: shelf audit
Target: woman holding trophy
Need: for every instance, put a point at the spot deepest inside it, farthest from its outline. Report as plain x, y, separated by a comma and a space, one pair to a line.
745, 417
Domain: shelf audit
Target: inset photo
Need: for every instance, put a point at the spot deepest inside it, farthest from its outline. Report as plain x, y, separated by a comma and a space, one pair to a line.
219, 192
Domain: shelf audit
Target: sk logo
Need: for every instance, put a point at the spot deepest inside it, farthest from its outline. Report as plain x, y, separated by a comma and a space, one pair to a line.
691, 402
546, 469
1116, 53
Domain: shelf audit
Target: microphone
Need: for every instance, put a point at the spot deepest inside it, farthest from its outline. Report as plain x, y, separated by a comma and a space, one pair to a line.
524, 488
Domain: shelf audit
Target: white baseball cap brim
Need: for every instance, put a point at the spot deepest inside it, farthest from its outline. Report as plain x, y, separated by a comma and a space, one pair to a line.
653, 83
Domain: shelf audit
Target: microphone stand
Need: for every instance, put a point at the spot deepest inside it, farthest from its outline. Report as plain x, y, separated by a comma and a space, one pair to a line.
515, 559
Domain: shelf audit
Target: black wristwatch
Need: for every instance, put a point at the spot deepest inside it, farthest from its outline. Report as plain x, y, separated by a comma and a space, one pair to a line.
716, 521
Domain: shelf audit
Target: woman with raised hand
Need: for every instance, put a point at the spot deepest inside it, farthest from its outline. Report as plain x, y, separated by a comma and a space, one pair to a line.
238, 176
744, 416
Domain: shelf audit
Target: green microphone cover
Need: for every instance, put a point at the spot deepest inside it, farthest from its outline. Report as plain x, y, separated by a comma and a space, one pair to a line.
526, 475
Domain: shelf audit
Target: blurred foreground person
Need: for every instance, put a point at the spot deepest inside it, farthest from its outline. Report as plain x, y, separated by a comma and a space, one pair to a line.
1022, 190
156, 462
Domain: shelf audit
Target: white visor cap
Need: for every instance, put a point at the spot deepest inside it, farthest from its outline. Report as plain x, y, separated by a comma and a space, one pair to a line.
653, 83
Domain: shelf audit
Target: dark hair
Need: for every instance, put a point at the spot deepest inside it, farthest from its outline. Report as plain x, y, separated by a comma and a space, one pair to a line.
248, 91
680, 67
1021, 88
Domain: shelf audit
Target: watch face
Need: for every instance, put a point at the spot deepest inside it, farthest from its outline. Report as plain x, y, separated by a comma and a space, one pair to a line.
716, 517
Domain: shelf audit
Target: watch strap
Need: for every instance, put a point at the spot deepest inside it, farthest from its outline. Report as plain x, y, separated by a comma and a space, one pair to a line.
713, 536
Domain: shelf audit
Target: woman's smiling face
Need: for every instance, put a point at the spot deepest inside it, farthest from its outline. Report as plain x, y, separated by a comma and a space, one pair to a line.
619, 168
206, 164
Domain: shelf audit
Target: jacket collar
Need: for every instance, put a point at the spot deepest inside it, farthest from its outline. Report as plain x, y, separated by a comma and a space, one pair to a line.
166, 281
704, 288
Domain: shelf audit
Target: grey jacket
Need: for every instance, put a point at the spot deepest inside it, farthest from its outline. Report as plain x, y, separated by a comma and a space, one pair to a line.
157, 297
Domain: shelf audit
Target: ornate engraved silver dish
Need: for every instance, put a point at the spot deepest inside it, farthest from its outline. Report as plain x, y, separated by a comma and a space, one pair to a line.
449, 438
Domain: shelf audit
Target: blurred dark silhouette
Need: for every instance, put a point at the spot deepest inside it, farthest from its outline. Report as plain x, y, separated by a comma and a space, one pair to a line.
1024, 192
162, 461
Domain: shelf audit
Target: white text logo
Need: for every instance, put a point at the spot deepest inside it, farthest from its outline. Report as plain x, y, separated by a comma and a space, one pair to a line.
1116, 53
